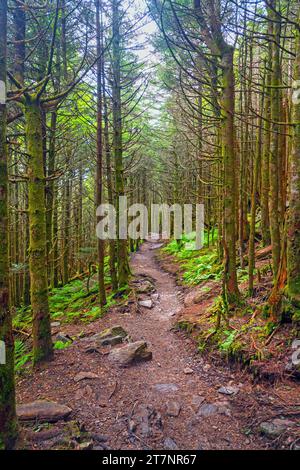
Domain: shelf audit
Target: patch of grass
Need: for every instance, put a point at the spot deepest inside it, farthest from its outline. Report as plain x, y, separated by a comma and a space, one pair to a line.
61, 344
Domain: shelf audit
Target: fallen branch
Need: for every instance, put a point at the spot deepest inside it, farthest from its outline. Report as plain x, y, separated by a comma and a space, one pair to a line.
272, 335
21, 332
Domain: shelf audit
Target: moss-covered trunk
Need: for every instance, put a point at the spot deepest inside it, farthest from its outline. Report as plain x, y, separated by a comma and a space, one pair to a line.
257, 162
50, 199
42, 344
8, 422
293, 232
230, 192
265, 184
123, 265
99, 164
274, 145
66, 229
110, 193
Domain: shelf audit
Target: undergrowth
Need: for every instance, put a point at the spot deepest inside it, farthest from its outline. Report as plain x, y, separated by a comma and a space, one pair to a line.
76, 302
242, 334
198, 265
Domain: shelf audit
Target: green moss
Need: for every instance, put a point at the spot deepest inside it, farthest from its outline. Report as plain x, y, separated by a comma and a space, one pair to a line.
185, 326
296, 316
42, 343
61, 345
198, 265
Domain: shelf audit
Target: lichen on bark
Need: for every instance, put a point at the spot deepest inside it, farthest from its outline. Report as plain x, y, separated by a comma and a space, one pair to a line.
8, 420
293, 232
42, 344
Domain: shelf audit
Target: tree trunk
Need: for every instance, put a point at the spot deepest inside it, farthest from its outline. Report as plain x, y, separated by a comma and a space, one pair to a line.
293, 230
123, 266
42, 344
230, 193
265, 184
257, 162
110, 188
99, 164
66, 230
274, 147
50, 199
8, 421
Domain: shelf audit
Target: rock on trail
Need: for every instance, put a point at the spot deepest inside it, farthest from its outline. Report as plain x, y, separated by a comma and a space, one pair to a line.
43, 411
131, 353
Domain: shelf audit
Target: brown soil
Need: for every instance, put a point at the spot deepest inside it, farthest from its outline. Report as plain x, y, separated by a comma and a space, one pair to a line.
126, 405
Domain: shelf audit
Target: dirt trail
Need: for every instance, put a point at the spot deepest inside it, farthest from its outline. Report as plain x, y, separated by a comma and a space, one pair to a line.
129, 405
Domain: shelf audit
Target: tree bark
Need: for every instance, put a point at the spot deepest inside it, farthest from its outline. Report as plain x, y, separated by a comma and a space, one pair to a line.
50, 199
42, 344
293, 231
99, 164
110, 187
230, 193
8, 421
274, 146
123, 266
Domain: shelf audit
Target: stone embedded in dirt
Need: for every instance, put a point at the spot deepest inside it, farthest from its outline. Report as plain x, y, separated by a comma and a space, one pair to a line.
223, 408
155, 296
228, 390
207, 409
110, 340
99, 437
55, 324
197, 402
147, 420
85, 376
113, 331
188, 370
173, 408
43, 411
170, 444
211, 409
132, 352
63, 338
142, 415
146, 303
275, 427
91, 350
145, 287
166, 388
110, 336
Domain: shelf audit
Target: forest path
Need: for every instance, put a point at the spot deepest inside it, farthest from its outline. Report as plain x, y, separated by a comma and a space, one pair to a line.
132, 406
